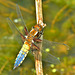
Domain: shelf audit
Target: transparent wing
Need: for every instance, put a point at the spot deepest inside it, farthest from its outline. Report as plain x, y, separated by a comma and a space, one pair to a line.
20, 20
15, 31
52, 50
54, 46
47, 57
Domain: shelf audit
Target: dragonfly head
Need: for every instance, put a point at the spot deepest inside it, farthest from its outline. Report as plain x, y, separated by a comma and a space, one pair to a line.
42, 24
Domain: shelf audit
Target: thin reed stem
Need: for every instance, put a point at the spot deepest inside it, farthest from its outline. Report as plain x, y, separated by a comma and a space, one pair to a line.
57, 15
38, 54
2, 68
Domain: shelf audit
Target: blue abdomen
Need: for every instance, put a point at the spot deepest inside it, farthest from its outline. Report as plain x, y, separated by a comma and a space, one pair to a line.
21, 56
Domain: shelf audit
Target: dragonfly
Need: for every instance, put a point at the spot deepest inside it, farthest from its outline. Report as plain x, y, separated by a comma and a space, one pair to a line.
28, 41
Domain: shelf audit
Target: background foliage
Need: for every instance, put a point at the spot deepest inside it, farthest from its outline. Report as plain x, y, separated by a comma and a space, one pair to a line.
59, 16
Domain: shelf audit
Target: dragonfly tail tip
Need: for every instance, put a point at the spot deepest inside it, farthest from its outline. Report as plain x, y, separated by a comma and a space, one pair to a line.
14, 67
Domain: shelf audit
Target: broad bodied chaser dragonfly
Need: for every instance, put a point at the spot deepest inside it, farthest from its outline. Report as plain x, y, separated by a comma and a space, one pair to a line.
28, 40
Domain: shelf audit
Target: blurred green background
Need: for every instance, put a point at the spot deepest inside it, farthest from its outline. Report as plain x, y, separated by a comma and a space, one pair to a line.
59, 15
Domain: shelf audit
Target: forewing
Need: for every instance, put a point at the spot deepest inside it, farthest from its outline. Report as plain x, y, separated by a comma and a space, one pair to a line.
52, 50
15, 31
54, 46
21, 20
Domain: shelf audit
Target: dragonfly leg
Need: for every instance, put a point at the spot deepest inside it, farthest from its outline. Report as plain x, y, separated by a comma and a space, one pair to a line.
26, 31
35, 47
23, 38
37, 40
37, 37
39, 34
